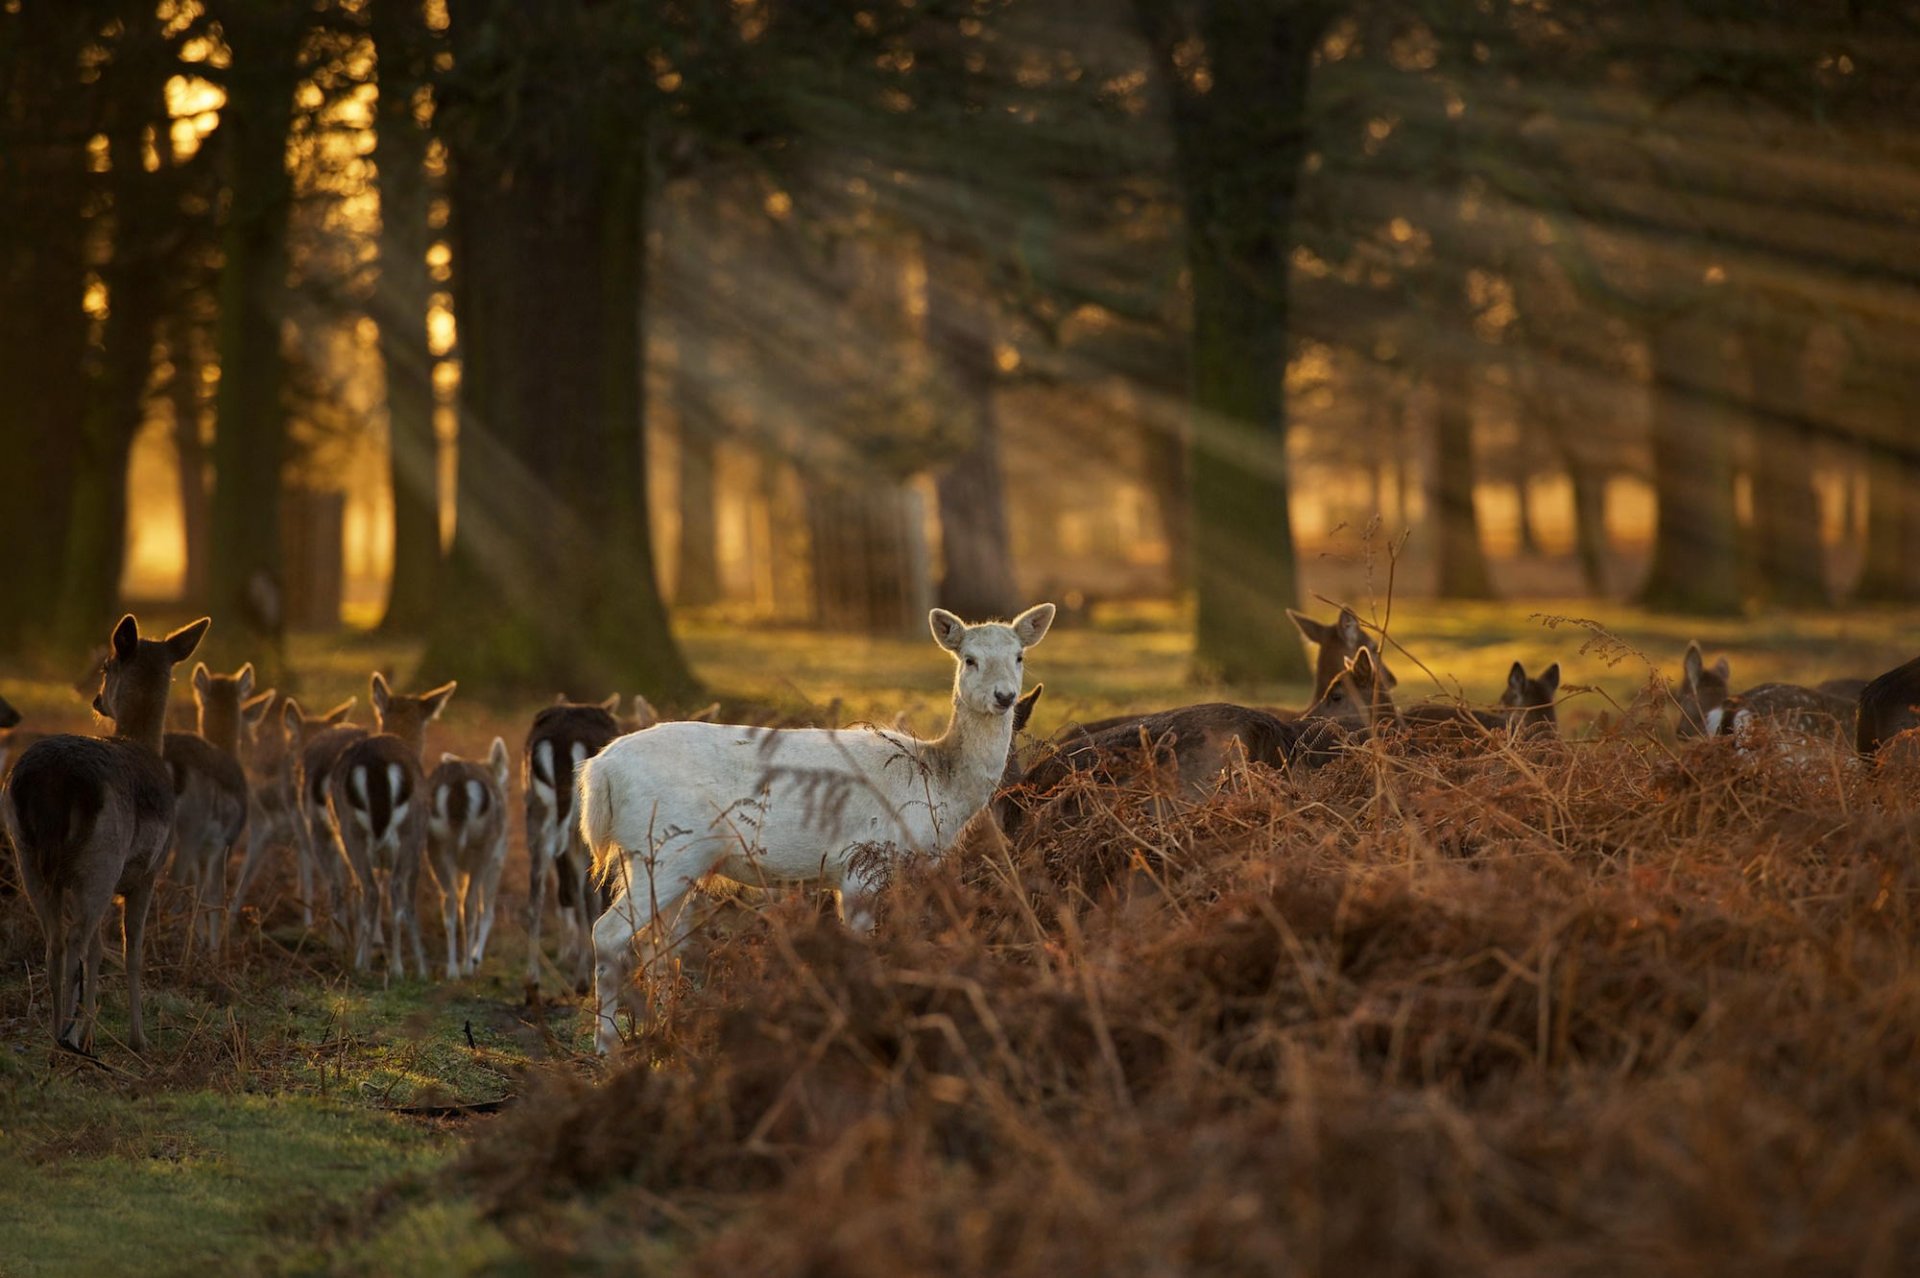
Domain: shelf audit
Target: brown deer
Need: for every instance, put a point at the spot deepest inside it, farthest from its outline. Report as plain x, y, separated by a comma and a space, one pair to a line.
1889, 706
563, 736
1198, 741
262, 757
467, 850
312, 772
12, 743
89, 819
1340, 641
210, 796
1709, 707
376, 795
1530, 702
278, 814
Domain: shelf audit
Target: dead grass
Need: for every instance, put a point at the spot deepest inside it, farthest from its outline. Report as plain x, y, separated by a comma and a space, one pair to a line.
1584, 1008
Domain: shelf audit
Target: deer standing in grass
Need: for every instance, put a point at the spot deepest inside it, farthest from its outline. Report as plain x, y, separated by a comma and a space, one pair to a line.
564, 736
90, 819
210, 796
294, 786
375, 794
467, 850
664, 808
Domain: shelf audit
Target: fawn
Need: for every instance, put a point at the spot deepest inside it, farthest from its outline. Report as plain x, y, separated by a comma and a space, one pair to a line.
564, 736
210, 795
374, 793
467, 849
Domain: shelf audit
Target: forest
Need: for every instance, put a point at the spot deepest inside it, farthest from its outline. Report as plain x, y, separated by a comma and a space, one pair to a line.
829, 312
666, 636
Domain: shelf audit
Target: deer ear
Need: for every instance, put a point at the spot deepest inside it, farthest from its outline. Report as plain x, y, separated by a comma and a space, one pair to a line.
8, 715
1023, 708
1310, 630
947, 629
1362, 666
643, 712
339, 713
254, 710
1722, 669
378, 693
244, 677
502, 766
290, 716
1690, 665
1550, 680
202, 678
436, 701
1349, 627
1031, 626
126, 638
182, 642
612, 704
1517, 678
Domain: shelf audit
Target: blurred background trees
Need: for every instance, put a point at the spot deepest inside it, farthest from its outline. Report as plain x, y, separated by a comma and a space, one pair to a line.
504, 325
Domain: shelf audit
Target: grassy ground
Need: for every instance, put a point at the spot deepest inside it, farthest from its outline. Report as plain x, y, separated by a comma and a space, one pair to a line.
291, 1118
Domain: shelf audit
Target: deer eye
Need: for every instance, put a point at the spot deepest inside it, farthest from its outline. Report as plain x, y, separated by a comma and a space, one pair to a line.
1336, 695
972, 664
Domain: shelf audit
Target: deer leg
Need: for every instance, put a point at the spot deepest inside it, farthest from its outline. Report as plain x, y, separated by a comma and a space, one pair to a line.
407, 912
133, 931
446, 877
257, 836
613, 965
539, 865
487, 885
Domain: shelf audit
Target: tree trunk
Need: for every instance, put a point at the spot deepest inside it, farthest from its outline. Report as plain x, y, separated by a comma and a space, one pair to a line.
400, 308
551, 583
696, 578
1589, 523
976, 554
869, 556
1788, 555
184, 390
1696, 565
250, 436
1462, 562
43, 328
1239, 140
1890, 571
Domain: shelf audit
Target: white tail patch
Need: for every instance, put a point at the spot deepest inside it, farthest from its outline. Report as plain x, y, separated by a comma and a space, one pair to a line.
1714, 718
394, 775
540, 775
476, 801
357, 791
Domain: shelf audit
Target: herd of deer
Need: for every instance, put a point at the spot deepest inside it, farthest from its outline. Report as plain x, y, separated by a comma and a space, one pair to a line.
632, 819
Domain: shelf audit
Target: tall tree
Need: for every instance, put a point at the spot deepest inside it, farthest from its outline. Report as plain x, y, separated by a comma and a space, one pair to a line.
1789, 564
250, 434
45, 118
1696, 564
1461, 559
1235, 74
976, 555
403, 46
551, 580
140, 223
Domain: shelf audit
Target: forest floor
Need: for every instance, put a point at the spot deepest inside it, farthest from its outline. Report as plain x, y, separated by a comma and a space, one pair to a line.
290, 1117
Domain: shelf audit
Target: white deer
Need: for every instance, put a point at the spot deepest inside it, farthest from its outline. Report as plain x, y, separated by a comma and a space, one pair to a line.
664, 808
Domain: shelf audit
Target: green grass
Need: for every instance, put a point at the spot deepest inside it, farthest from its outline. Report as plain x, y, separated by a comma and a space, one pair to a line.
264, 1130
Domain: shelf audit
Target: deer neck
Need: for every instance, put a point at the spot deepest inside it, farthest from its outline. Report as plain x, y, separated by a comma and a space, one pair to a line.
969, 758
221, 728
413, 737
144, 724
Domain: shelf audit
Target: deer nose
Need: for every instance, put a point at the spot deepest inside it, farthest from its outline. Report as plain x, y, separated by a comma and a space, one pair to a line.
1005, 700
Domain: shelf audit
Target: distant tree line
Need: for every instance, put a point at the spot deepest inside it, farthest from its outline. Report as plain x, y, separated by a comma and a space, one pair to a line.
1682, 245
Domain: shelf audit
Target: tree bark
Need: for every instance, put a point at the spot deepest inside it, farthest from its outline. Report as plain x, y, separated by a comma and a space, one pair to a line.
1462, 562
869, 561
184, 391
1696, 565
976, 553
1890, 571
400, 307
1788, 557
696, 578
1239, 141
43, 327
551, 583
250, 436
